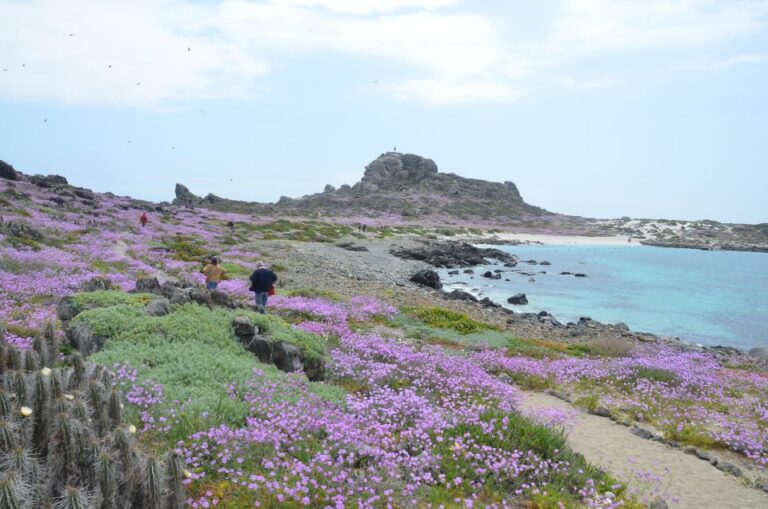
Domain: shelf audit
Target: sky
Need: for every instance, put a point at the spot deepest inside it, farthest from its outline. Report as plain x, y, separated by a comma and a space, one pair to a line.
599, 108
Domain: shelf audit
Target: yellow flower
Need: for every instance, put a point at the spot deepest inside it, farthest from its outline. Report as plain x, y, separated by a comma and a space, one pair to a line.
69, 397
131, 429
46, 371
187, 474
25, 411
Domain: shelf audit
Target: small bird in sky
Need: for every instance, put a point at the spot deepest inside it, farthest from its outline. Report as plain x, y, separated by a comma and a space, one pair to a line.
110, 66
137, 84
376, 81
45, 120
71, 35
5, 70
129, 141
189, 49
23, 65
173, 148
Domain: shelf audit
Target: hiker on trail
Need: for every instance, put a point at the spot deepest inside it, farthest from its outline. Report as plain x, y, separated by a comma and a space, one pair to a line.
262, 282
144, 220
213, 273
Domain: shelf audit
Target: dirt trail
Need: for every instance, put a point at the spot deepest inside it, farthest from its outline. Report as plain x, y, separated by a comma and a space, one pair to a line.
613, 448
122, 249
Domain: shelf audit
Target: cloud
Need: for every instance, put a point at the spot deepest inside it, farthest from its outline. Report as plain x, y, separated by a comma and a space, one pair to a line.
726, 63
438, 51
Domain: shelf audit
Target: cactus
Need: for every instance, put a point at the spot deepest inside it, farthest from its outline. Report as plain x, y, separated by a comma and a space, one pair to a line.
40, 404
3, 356
153, 483
105, 474
5, 404
20, 387
52, 348
7, 436
31, 361
115, 408
175, 480
99, 408
73, 498
19, 460
11, 492
78, 373
14, 358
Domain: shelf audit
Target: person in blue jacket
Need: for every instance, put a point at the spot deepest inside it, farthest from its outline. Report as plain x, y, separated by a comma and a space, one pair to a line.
262, 280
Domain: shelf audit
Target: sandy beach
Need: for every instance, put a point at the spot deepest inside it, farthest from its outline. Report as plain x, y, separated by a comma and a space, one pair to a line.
568, 240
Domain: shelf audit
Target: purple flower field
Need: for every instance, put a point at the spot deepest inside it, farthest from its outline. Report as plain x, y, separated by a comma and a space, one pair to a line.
418, 425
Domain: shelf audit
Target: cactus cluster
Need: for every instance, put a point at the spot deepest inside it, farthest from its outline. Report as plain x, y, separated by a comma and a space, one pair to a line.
63, 441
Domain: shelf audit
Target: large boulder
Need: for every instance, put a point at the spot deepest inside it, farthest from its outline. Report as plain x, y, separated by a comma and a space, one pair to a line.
184, 196
760, 352
96, 284
395, 172
519, 299
158, 307
490, 275
7, 172
148, 285
49, 181
460, 295
428, 278
286, 357
201, 296
222, 299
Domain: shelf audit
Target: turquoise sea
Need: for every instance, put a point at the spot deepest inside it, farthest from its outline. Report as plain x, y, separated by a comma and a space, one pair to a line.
707, 297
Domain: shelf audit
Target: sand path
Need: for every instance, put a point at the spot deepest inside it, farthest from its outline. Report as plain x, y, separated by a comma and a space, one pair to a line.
613, 448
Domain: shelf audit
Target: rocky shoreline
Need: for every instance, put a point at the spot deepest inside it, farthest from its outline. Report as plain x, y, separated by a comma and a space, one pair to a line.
392, 263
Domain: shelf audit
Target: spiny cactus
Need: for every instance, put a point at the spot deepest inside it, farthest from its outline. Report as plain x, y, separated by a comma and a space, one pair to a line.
73, 498
153, 482
12, 491
31, 361
63, 443
174, 470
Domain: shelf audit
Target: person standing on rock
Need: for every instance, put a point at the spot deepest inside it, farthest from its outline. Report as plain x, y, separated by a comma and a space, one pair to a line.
262, 280
144, 220
213, 273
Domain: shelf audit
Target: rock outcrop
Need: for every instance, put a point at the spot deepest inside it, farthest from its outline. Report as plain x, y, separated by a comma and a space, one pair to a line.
428, 278
7, 172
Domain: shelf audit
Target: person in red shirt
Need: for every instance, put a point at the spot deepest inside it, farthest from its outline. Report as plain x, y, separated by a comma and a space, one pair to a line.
144, 220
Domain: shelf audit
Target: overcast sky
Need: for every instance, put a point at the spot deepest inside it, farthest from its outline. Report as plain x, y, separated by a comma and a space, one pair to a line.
602, 108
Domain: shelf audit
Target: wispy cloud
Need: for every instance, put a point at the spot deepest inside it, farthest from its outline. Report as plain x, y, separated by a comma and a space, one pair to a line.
164, 52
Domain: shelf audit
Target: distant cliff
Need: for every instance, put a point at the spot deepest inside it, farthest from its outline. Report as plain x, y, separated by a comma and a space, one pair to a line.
404, 184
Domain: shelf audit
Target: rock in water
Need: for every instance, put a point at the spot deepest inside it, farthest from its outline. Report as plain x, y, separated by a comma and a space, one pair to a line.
518, 299
428, 278
460, 295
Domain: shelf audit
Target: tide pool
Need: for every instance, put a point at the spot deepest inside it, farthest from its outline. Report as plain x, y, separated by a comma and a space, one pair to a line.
708, 297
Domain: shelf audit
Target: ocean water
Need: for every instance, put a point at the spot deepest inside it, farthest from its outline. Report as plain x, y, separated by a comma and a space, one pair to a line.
707, 297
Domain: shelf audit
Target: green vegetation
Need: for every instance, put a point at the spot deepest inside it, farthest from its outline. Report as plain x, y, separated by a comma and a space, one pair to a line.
186, 248
446, 319
192, 352
314, 293
304, 231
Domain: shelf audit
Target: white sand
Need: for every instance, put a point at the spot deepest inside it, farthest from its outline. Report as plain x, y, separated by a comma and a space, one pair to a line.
568, 240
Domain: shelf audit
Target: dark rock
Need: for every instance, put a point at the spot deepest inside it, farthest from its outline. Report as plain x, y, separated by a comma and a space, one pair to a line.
762, 486
221, 299
621, 326
286, 357
544, 262
642, 433
531, 262
49, 181
658, 504
185, 197
201, 296
329, 189
180, 297
83, 339
488, 303
729, 468
58, 200
96, 284
565, 273
490, 275
428, 278
518, 299
460, 295
158, 307
579, 274
452, 255
759, 352
7, 172
702, 455
350, 246
67, 309
468, 271
602, 411
147, 285
453, 272
314, 369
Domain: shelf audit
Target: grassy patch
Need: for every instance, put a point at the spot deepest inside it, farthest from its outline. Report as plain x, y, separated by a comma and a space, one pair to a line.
442, 318
314, 293
187, 248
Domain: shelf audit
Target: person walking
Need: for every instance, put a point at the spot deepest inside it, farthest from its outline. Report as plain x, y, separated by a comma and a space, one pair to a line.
213, 273
144, 220
262, 281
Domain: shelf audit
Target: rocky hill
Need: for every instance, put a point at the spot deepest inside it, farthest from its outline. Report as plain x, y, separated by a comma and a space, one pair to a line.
405, 185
